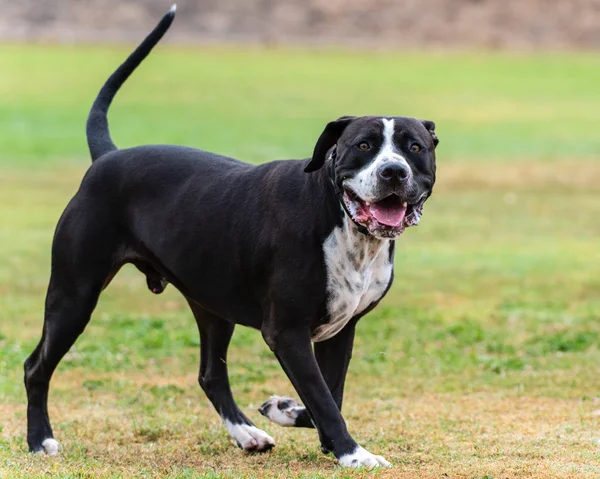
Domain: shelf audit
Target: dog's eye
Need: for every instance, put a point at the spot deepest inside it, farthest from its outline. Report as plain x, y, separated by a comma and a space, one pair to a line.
415, 148
364, 146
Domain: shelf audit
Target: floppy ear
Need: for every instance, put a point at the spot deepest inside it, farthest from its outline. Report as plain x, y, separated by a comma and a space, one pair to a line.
328, 138
431, 129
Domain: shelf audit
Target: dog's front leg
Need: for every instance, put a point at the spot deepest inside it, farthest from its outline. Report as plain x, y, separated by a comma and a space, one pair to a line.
333, 357
293, 349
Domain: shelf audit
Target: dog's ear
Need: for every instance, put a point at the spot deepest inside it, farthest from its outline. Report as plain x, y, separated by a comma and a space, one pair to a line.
328, 138
431, 129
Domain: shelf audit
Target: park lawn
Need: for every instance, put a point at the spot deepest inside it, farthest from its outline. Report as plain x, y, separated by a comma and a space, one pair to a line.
482, 362
261, 104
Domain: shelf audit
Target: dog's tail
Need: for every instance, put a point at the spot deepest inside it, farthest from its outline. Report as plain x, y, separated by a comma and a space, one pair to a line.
98, 135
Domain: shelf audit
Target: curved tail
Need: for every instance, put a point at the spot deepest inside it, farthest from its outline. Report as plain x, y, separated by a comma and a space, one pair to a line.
98, 135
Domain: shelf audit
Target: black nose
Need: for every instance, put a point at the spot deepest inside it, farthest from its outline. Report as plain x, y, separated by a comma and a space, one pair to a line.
394, 172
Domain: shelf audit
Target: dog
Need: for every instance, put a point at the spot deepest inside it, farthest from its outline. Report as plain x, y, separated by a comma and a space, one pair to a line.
298, 249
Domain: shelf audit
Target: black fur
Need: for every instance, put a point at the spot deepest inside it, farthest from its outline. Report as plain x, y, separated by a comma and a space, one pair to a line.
243, 244
99, 140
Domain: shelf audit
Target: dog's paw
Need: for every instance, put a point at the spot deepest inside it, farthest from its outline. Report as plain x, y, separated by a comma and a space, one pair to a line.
51, 447
362, 458
250, 438
281, 410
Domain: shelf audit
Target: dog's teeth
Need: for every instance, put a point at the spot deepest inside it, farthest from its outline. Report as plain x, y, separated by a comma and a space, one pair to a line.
404, 204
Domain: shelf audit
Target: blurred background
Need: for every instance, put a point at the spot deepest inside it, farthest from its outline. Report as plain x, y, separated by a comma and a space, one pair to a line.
386, 23
483, 359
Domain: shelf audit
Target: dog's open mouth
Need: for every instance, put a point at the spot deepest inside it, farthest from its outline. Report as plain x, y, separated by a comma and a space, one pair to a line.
385, 218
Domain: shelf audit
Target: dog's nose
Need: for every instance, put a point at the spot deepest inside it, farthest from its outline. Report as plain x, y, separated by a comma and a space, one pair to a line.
394, 172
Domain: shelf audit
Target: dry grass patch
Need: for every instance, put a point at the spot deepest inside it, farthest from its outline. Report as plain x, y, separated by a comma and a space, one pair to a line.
478, 435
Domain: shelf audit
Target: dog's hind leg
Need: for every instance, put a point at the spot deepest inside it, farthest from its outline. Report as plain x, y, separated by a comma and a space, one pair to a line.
81, 267
215, 335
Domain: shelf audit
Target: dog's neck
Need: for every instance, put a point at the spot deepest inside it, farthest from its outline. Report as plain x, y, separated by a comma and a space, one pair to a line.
352, 232
363, 243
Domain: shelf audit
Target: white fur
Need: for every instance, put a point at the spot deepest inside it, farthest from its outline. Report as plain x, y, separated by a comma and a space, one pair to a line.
352, 285
51, 446
173, 8
365, 182
362, 458
286, 417
249, 437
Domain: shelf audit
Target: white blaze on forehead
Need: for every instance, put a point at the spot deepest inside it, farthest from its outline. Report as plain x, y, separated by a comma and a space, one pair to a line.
388, 149
366, 182
388, 137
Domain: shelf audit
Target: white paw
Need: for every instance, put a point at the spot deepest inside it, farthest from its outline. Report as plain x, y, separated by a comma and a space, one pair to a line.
281, 410
250, 438
363, 458
51, 446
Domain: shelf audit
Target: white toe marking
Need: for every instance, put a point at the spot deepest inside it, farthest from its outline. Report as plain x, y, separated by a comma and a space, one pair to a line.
249, 437
284, 417
51, 446
362, 458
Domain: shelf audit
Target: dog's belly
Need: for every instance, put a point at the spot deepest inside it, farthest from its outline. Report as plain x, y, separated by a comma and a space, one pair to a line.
359, 271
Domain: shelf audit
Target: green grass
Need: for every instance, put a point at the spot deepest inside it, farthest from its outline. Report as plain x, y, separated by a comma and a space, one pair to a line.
260, 105
483, 360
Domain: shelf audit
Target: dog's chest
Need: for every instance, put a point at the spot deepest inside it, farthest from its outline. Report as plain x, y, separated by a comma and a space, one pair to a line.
359, 270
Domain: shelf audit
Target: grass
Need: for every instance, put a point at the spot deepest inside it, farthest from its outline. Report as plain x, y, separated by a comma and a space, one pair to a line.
483, 360
274, 103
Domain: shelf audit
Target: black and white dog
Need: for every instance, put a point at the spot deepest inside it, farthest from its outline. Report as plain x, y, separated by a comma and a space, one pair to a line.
299, 249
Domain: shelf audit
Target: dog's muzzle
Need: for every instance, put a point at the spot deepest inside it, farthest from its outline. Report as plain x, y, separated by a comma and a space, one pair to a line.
387, 217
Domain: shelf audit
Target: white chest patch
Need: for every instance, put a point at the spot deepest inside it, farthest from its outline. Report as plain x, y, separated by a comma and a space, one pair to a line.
359, 271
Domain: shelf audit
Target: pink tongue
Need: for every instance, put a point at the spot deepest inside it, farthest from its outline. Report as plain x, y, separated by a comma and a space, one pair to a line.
388, 215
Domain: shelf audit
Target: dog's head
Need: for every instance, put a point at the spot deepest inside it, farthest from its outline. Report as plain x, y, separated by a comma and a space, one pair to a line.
383, 169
